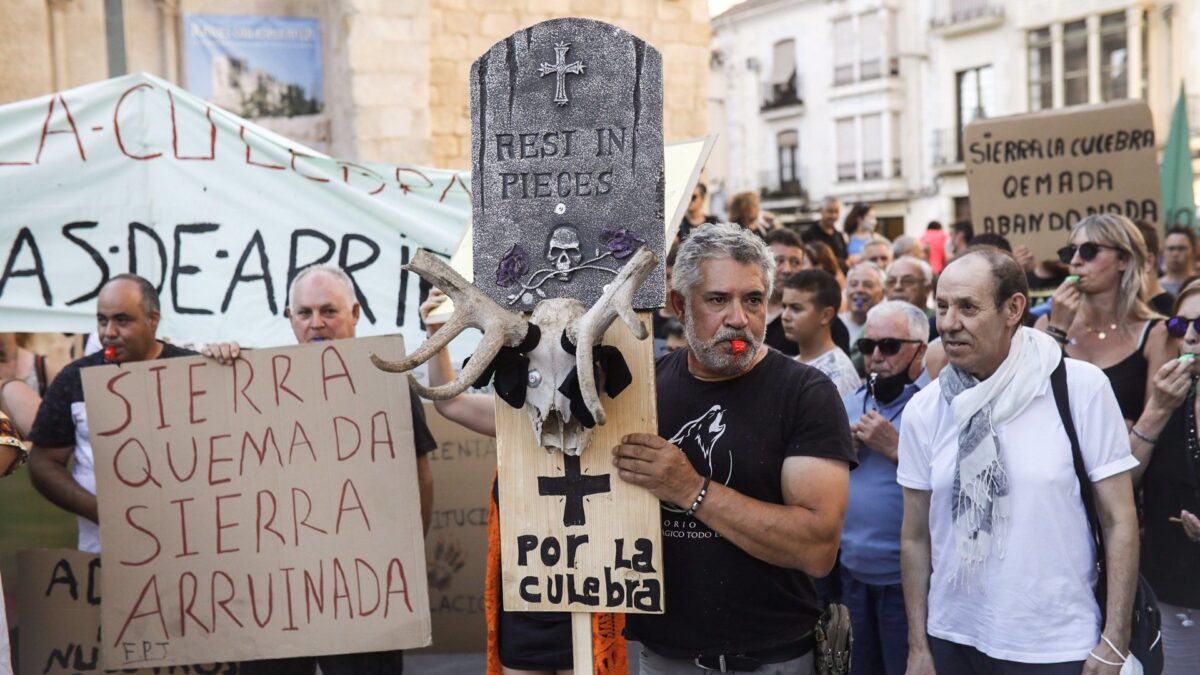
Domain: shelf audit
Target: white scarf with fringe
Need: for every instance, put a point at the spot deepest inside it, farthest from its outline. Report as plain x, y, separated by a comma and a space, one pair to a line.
980, 508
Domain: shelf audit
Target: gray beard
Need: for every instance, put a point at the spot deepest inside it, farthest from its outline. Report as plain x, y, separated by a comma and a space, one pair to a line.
712, 356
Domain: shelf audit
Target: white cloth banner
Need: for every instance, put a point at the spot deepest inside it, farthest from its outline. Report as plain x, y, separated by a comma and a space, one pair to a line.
135, 174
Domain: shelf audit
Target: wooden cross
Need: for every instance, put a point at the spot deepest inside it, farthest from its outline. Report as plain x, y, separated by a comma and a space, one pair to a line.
560, 68
574, 485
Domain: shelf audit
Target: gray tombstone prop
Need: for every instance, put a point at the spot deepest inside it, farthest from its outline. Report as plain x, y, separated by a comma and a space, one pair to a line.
566, 162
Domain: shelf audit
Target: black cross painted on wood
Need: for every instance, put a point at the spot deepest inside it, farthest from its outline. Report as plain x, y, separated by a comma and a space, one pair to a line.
574, 485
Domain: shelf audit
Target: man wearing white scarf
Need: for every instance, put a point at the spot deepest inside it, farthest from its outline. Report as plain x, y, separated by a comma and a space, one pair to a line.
996, 556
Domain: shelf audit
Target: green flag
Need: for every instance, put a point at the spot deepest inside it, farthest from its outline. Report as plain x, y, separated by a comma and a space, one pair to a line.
1179, 202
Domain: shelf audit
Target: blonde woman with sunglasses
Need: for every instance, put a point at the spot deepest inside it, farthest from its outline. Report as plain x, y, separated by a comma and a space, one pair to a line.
1099, 314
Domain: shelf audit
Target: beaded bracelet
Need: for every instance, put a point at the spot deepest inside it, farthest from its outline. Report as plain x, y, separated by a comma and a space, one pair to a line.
1140, 434
700, 497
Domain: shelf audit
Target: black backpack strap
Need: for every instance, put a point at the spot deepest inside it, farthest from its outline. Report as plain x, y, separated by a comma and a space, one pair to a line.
1058, 383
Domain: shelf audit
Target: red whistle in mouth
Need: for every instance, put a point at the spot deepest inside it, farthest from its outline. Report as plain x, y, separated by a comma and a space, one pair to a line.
110, 352
738, 346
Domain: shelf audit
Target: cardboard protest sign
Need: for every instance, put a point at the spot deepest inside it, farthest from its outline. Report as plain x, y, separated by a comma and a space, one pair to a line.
60, 616
1032, 177
260, 510
574, 536
457, 551
567, 162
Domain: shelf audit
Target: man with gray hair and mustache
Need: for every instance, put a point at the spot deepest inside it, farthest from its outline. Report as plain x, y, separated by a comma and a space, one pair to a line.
751, 463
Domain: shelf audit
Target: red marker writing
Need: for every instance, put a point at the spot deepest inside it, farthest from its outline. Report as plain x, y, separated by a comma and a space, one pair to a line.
110, 352
738, 346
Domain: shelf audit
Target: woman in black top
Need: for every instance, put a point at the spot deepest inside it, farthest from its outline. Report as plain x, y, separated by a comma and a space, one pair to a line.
695, 215
1099, 314
1165, 442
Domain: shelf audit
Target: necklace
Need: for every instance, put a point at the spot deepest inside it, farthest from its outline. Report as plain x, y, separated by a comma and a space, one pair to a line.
1101, 333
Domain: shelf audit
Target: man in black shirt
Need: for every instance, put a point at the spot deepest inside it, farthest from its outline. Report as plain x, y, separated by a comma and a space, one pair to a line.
127, 314
825, 230
751, 464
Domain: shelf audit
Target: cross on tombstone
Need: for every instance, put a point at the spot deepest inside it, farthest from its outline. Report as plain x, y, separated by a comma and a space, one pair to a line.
560, 68
574, 485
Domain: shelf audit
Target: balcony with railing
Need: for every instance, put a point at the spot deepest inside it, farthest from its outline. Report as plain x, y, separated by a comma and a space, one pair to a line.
782, 96
947, 151
959, 17
773, 187
866, 76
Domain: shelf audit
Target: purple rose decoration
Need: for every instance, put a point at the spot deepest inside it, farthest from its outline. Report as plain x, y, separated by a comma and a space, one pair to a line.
620, 242
512, 266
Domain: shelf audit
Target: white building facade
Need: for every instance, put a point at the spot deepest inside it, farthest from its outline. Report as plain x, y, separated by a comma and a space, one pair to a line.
883, 88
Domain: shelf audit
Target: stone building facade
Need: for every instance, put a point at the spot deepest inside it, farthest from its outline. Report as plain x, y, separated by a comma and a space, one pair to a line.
395, 71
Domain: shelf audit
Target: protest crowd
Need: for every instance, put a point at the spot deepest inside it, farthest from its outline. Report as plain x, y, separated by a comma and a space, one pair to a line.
905, 398
949, 453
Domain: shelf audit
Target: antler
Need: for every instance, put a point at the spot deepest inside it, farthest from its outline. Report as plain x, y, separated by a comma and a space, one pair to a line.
472, 309
616, 301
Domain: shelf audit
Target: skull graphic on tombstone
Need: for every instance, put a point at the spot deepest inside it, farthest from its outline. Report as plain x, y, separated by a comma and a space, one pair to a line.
563, 249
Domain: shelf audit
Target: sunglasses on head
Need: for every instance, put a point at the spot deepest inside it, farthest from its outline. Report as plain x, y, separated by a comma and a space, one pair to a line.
1177, 325
887, 346
1088, 250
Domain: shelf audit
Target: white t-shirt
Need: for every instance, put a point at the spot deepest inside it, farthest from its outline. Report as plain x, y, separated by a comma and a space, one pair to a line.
839, 368
1034, 604
84, 473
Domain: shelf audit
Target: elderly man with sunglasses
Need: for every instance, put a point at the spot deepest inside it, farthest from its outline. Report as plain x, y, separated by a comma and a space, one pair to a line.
893, 348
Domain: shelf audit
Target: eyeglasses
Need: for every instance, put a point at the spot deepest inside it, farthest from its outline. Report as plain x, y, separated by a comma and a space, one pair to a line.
887, 346
894, 282
1088, 250
1177, 325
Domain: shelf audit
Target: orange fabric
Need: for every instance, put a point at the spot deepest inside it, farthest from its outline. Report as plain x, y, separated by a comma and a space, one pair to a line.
609, 653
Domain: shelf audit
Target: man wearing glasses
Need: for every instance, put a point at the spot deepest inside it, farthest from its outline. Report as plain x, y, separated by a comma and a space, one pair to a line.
893, 348
910, 279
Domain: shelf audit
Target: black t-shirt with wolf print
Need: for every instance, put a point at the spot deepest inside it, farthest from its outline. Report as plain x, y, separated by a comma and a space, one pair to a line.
720, 599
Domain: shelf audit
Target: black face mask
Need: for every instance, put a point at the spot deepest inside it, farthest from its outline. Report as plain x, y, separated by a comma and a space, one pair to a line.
887, 389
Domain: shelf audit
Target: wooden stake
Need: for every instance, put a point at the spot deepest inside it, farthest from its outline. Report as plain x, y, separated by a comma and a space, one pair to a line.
581, 642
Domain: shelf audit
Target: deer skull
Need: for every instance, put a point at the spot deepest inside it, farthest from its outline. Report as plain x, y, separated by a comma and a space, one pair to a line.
549, 363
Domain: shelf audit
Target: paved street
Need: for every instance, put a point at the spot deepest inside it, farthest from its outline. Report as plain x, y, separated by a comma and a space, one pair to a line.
469, 664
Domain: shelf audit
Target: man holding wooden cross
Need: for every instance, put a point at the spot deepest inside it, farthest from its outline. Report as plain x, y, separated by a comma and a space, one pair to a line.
752, 466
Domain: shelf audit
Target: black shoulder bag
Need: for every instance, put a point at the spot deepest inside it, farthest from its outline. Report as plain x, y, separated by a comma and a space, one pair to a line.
1145, 638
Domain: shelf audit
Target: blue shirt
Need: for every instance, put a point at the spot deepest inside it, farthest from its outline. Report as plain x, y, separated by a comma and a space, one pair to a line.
871, 534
